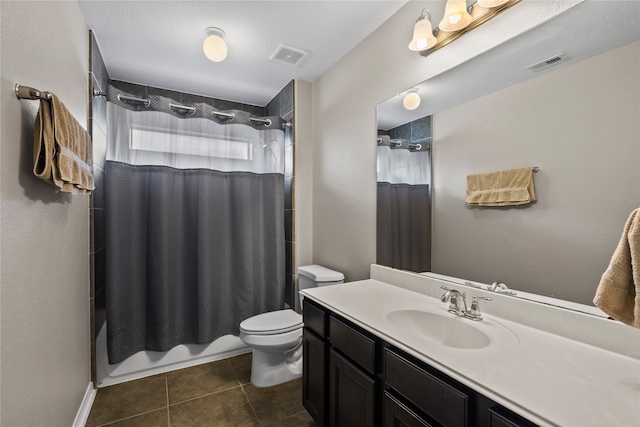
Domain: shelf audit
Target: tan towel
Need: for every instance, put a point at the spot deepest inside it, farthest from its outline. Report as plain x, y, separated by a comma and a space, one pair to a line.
62, 149
618, 293
502, 188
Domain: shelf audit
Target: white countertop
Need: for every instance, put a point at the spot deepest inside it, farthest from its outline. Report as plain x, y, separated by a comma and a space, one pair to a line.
547, 378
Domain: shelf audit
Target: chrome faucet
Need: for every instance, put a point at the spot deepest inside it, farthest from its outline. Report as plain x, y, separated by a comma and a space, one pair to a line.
458, 304
500, 288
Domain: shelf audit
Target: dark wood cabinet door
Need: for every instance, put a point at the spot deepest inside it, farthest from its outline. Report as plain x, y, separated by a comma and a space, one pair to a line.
501, 417
351, 394
396, 414
314, 380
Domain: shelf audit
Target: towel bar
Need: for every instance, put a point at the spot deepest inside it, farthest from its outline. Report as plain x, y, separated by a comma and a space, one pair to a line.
26, 92
535, 169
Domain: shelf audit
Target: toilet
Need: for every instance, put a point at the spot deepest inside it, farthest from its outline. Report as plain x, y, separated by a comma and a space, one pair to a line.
276, 336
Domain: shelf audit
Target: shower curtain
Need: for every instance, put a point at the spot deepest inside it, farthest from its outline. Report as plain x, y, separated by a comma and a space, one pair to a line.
194, 219
403, 207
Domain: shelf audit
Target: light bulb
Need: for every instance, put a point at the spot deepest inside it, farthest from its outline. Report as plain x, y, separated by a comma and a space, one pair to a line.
214, 46
411, 101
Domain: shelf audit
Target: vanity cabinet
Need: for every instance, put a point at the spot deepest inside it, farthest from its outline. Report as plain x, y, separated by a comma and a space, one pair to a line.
352, 378
340, 379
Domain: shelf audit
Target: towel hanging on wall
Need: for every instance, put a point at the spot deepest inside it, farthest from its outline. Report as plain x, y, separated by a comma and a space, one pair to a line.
501, 188
62, 150
618, 293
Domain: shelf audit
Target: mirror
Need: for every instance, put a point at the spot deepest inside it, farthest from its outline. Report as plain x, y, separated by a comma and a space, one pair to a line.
577, 120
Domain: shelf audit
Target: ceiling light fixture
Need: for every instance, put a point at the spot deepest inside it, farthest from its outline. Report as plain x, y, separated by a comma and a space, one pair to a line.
214, 46
411, 100
458, 20
423, 37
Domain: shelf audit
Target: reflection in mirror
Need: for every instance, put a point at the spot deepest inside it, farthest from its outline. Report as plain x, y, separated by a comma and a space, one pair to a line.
577, 120
404, 196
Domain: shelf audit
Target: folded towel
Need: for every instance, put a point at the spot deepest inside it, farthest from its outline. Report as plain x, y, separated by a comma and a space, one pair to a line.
618, 293
502, 188
62, 150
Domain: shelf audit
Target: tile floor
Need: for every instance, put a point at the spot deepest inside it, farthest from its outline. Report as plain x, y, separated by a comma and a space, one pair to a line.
214, 394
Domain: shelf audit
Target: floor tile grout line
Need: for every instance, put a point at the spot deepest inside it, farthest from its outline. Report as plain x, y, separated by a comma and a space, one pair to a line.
235, 372
203, 395
287, 417
251, 406
166, 384
129, 417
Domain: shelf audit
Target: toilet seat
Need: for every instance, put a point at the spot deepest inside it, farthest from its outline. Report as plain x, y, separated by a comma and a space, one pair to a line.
273, 322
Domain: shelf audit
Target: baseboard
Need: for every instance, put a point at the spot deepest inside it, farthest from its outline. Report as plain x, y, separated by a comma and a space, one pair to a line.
85, 407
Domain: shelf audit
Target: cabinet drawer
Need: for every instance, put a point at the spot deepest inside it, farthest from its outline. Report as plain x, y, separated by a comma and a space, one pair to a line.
314, 317
357, 346
441, 401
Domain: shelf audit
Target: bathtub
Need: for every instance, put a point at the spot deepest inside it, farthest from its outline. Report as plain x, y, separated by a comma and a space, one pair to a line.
146, 363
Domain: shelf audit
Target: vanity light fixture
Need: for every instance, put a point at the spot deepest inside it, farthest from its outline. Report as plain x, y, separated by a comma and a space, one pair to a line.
456, 17
214, 46
491, 3
458, 20
423, 37
411, 100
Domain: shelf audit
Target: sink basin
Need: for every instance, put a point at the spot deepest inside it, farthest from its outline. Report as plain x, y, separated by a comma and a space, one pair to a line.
447, 330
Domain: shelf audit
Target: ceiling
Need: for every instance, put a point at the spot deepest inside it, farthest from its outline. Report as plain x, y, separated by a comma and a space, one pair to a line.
585, 30
159, 43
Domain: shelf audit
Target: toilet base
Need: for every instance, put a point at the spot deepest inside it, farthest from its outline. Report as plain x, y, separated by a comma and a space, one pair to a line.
270, 369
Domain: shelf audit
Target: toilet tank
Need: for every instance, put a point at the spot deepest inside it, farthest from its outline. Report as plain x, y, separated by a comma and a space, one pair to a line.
311, 276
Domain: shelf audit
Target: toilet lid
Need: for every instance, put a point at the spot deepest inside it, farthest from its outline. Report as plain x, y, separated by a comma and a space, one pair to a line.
273, 322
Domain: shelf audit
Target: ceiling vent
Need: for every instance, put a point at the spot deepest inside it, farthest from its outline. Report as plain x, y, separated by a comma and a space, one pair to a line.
554, 60
288, 55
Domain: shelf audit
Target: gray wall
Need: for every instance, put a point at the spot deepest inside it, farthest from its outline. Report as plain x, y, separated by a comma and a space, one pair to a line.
44, 279
580, 125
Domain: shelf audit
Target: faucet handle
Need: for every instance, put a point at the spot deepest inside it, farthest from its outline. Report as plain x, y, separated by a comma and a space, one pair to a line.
474, 311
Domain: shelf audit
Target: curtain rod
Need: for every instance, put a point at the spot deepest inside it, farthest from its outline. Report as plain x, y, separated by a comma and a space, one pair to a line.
191, 110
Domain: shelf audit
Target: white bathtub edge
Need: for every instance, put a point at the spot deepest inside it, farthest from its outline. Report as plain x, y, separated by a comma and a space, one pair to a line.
85, 406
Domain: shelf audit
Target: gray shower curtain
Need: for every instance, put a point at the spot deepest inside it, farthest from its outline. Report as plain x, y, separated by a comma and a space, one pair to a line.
403, 226
190, 252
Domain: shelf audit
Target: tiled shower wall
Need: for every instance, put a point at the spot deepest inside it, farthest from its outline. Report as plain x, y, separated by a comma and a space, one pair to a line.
281, 105
99, 79
418, 131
